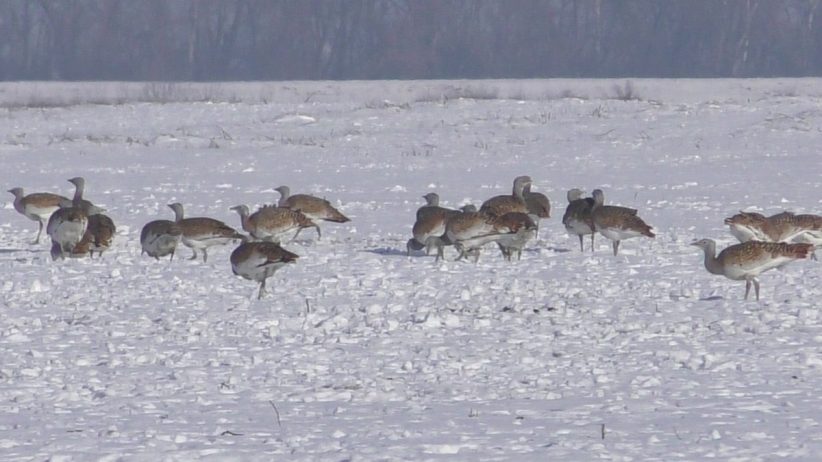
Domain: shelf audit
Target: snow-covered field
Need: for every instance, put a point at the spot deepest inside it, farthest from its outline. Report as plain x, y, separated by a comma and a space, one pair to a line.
360, 353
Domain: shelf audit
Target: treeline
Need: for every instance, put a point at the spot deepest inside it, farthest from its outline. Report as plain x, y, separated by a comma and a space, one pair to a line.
406, 39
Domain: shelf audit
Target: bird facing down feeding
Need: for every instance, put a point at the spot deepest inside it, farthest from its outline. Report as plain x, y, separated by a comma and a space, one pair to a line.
257, 261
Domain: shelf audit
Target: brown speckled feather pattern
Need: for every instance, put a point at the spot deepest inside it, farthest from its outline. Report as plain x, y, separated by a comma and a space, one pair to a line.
776, 228
538, 204
500, 205
275, 219
609, 216
786, 223
426, 210
161, 227
431, 223
43, 200
752, 251
204, 227
472, 224
271, 253
515, 221
746, 218
315, 208
98, 236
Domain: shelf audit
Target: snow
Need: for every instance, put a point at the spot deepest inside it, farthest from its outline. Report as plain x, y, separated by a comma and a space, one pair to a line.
360, 353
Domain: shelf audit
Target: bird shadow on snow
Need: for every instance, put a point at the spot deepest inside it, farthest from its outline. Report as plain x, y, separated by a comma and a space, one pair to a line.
390, 251
552, 249
4, 250
712, 298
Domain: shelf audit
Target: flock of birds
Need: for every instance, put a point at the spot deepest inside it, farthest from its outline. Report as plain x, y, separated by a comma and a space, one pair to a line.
512, 220
77, 228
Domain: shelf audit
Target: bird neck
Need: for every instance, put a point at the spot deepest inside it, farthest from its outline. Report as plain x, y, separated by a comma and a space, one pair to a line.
285, 193
78, 192
243, 217
178, 214
711, 262
519, 191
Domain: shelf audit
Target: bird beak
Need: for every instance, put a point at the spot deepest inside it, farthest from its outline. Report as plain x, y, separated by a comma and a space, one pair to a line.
695, 243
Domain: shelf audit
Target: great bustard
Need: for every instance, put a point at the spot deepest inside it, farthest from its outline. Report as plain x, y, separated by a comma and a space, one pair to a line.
159, 238
782, 227
257, 261
748, 260
469, 231
577, 218
37, 207
274, 224
200, 233
310, 206
430, 226
67, 225
617, 223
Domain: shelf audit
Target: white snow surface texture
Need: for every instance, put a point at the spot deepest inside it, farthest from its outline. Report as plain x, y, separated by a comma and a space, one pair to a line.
361, 353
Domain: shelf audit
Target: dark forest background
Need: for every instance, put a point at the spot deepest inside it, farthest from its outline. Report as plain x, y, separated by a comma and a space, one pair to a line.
406, 39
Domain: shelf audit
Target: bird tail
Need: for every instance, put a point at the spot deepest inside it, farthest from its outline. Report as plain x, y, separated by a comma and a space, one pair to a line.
799, 250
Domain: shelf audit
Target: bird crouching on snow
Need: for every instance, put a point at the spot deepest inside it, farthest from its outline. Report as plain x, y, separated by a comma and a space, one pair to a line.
748, 260
258, 261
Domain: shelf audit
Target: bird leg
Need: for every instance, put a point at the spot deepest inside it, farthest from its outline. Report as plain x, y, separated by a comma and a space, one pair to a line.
319, 233
205, 254
747, 288
581, 247
756, 287
616, 247
461, 250
194, 256
262, 289
592, 240
39, 231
